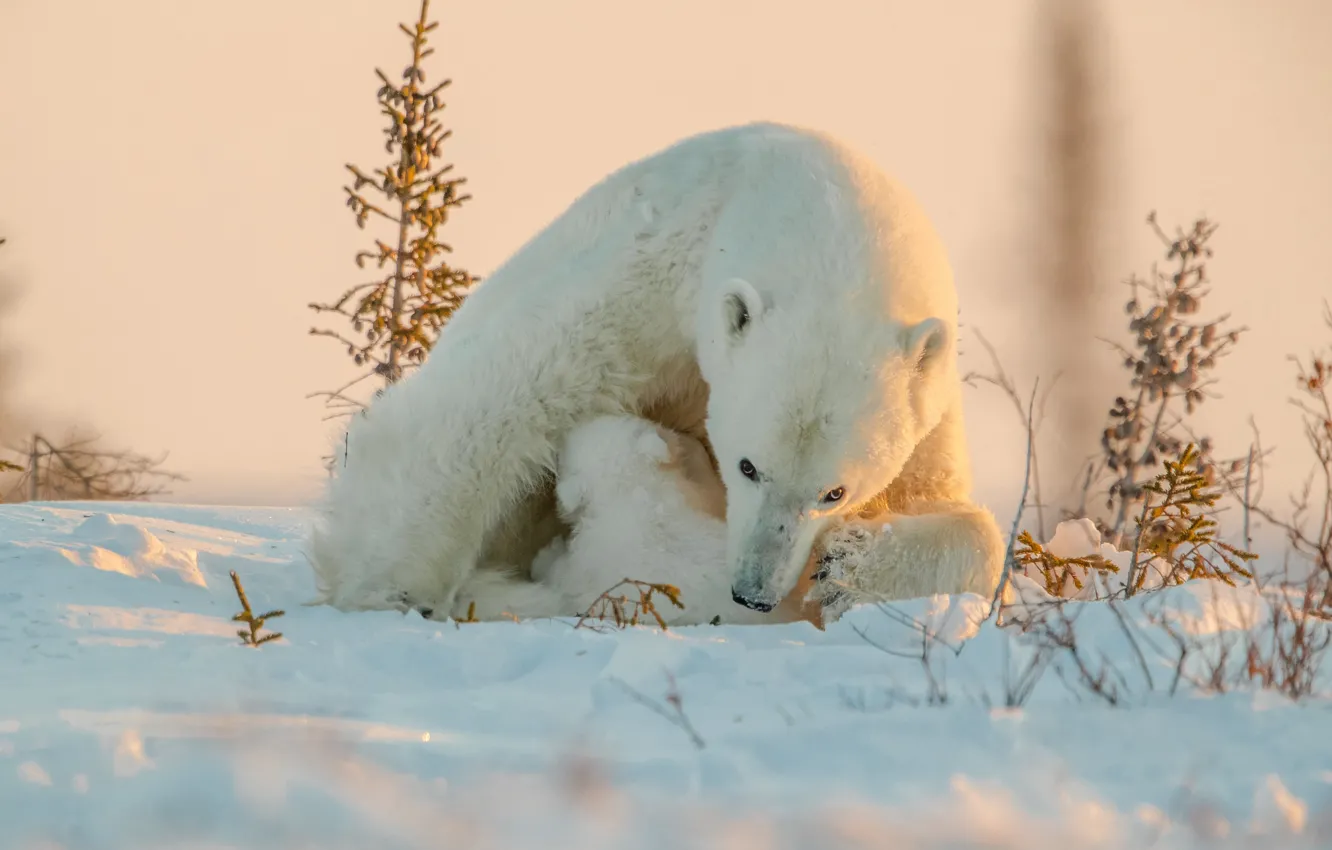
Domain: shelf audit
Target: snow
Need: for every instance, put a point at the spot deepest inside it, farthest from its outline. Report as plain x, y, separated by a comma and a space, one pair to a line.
131, 716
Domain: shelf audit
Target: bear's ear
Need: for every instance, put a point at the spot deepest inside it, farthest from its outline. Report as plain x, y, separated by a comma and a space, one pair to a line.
569, 495
653, 444
926, 343
742, 305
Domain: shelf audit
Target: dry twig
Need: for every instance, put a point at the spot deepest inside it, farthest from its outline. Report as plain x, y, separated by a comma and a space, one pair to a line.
623, 611
673, 710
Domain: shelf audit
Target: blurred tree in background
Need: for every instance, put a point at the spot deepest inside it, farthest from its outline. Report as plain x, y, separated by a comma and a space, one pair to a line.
77, 467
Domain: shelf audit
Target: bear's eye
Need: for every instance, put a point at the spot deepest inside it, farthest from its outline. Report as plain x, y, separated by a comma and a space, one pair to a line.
834, 495
747, 469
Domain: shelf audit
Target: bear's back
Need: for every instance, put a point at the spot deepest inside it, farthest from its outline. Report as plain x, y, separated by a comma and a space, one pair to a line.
785, 207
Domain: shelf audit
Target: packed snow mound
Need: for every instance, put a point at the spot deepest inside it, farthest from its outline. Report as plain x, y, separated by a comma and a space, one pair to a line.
132, 717
116, 546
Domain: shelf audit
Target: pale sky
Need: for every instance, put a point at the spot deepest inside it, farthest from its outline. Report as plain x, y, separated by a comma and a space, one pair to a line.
171, 180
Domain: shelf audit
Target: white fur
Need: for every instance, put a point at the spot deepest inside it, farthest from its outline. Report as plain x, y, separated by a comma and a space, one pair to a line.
957, 548
838, 369
645, 504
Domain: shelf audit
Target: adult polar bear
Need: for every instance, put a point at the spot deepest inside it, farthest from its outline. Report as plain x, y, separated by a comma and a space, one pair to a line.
762, 286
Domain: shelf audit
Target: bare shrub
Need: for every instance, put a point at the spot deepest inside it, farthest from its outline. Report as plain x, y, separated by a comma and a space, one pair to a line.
1308, 526
671, 708
624, 610
1282, 651
1170, 362
928, 641
1287, 655
1097, 676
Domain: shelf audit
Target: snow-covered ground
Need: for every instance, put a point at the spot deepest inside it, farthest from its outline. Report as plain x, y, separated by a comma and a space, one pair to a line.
131, 716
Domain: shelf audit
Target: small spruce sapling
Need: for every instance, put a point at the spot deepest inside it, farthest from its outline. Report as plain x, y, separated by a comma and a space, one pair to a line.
250, 636
1177, 529
1173, 528
1056, 573
396, 318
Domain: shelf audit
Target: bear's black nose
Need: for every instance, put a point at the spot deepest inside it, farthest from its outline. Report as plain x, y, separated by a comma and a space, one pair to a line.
749, 603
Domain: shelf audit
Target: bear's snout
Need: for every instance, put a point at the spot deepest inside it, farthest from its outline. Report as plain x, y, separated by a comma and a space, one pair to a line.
762, 607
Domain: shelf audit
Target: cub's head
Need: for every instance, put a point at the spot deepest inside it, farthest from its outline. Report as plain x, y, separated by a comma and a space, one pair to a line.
814, 409
607, 462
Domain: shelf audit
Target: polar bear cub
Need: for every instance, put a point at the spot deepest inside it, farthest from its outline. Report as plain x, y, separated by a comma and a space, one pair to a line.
645, 502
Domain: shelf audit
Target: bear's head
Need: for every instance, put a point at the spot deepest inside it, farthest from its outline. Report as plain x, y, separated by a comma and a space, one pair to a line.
814, 408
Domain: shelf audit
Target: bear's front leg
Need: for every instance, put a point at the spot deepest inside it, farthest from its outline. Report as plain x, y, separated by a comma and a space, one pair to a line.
956, 548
